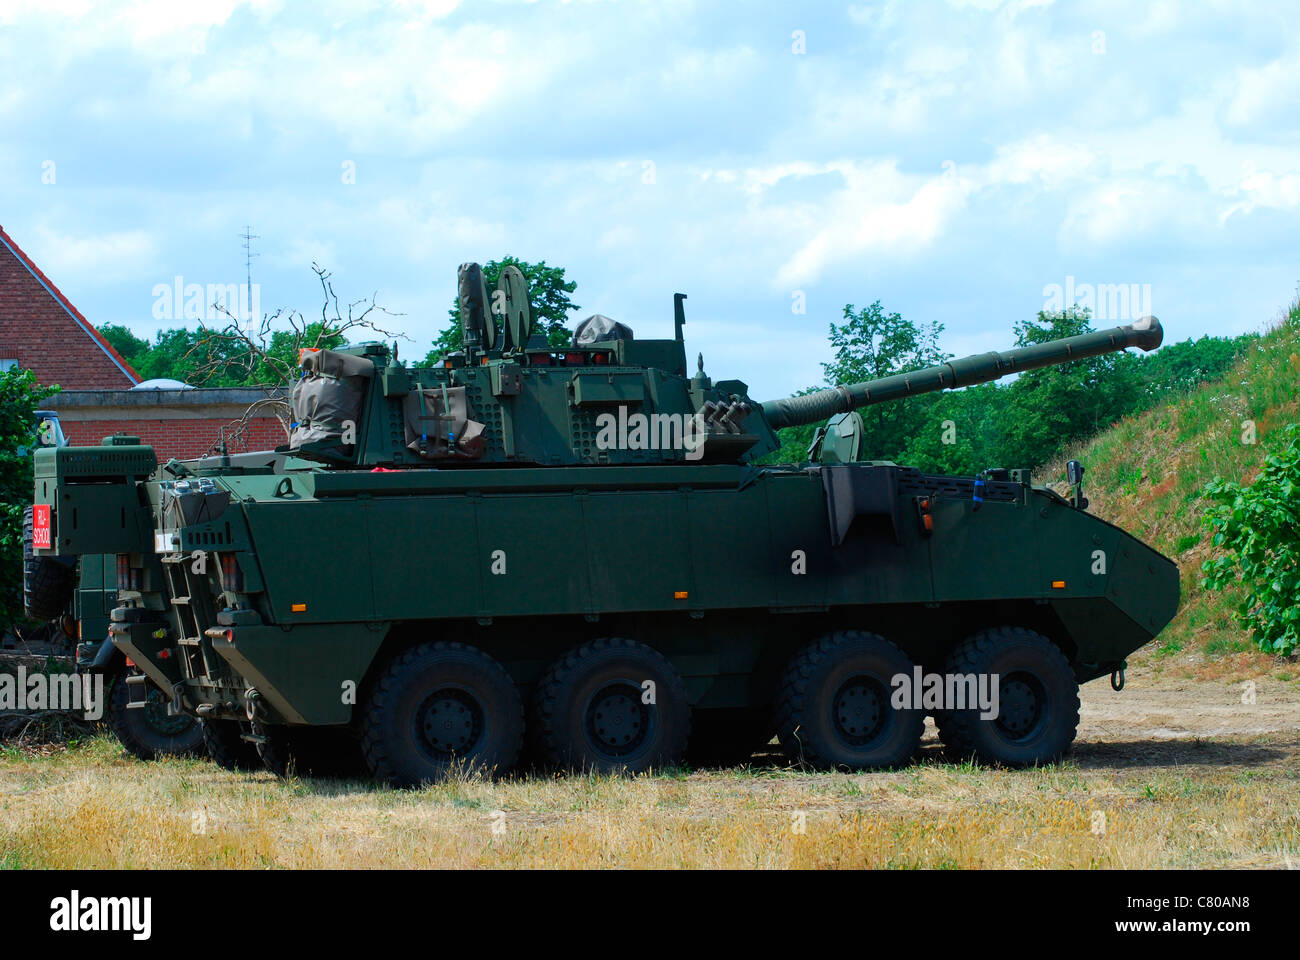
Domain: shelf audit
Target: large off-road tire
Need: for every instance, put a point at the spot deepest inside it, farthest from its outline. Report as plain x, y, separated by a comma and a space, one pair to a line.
439, 706
1038, 700
727, 737
48, 582
226, 746
834, 707
591, 712
310, 751
148, 732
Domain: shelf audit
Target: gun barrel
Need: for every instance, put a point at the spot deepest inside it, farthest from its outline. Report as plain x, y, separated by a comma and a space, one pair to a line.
1146, 334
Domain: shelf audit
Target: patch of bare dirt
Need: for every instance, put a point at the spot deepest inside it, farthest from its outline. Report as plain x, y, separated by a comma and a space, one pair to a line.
1152, 708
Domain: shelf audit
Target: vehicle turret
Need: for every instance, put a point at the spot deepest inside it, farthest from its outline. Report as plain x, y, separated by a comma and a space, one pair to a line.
511, 398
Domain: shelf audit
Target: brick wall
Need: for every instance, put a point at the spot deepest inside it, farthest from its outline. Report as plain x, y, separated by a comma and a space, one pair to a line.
181, 439
177, 423
47, 335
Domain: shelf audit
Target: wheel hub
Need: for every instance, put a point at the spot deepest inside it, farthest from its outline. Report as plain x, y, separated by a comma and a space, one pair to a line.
860, 710
616, 720
1021, 703
449, 722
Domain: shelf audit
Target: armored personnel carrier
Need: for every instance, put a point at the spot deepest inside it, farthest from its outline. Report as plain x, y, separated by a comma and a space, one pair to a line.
576, 551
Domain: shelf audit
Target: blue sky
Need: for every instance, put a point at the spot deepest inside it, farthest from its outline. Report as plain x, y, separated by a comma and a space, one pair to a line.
951, 159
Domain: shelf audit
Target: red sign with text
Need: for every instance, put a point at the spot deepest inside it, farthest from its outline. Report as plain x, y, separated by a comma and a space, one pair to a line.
41, 527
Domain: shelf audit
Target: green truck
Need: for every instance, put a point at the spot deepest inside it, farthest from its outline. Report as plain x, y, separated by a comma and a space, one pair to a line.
574, 555
76, 595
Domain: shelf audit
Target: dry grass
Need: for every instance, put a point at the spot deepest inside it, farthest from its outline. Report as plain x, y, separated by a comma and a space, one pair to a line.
1193, 803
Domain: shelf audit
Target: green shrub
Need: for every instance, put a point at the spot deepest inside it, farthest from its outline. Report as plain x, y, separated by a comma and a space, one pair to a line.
19, 396
1257, 526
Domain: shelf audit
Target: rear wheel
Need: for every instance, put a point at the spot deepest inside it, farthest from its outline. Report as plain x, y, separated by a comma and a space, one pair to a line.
226, 745
612, 705
834, 709
439, 706
148, 732
1037, 704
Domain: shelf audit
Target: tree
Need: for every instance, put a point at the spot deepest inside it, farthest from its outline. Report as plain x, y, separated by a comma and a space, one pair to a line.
1180, 367
129, 347
548, 296
871, 344
959, 435
1056, 405
20, 395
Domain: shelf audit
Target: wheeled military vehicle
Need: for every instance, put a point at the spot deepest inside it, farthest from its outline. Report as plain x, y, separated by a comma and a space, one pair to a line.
74, 596
576, 551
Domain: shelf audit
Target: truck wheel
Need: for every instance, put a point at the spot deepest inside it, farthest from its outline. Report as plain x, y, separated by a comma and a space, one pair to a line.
834, 711
48, 582
226, 746
1038, 700
310, 751
439, 705
592, 714
727, 737
148, 732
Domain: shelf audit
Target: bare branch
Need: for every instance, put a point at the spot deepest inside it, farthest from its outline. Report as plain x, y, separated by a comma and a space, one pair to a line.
265, 352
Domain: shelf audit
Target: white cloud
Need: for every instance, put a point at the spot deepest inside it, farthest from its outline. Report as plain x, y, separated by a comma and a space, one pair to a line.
1043, 161
881, 212
77, 254
1265, 189
1269, 94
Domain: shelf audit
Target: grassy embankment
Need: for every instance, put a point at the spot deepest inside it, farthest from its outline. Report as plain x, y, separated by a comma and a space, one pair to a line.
1145, 474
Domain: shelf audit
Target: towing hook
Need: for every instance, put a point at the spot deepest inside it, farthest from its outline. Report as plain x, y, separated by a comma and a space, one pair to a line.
1117, 679
252, 704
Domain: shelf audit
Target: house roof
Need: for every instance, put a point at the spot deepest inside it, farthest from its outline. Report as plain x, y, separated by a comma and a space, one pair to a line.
66, 304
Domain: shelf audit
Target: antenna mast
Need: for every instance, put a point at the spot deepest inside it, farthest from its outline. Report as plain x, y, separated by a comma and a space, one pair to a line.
248, 237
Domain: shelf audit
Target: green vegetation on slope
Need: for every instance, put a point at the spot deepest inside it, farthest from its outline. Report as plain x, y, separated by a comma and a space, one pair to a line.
1148, 474
1258, 527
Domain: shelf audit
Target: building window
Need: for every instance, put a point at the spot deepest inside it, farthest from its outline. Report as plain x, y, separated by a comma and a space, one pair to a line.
8, 365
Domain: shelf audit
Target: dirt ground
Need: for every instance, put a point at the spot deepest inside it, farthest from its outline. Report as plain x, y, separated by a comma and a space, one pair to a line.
1158, 709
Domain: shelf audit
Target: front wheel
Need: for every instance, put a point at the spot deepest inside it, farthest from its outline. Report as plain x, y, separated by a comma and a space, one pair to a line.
148, 732
835, 708
1037, 710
